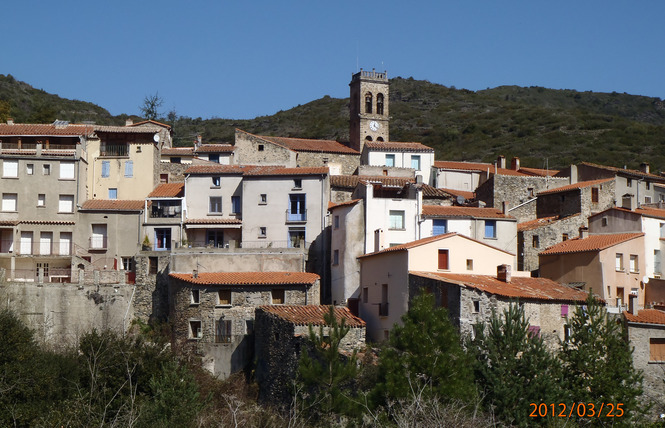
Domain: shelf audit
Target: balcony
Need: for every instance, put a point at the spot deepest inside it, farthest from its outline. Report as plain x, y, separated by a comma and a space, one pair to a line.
163, 209
114, 150
296, 216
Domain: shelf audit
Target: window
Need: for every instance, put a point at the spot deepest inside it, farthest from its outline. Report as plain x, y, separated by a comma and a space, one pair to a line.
176, 159
9, 201
336, 222
215, 205
619, 262
390, 160
153, 265
567, 332
45, 243
235, 205
629, 182
297, 183
656, 261
277, 297
127, 264
594, 195
163, 178
296, 237
223, 331
106, 169
66, 170
224, 297
113, 193
469, 264
41, 200
383, 307
603, 221
531, 192
213, 157
415, 162
647, 199
396, 220
335, 257
564, 310
98, 239
215, 238
439, 226
46, 169
633, 263
195, 329
262, 232
365, 294
368, 102
30, 169
564, 237
261, 147
297, 211
443, 260
379, 104
10, 168
657, 349
216, 181
66, 203
162, 239
65, 245
25, 243
490, 228
476, 306
648, 184
129, 169
535, 241
263, 199
195, 297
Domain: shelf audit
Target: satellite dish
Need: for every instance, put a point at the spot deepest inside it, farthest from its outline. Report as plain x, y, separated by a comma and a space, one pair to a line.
156, 138
645, 279
461, 200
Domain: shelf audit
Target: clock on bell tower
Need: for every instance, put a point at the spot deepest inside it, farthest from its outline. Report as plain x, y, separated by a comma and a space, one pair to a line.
368, 108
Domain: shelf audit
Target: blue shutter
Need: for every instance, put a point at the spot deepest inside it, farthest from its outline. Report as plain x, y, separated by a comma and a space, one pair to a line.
113, 193
106, 168
439, 227
129, 169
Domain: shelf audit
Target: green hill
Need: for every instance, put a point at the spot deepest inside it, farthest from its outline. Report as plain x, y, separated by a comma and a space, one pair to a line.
539, 125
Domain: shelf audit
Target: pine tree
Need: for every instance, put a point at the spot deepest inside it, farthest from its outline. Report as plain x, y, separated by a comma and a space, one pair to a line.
514, 368
425, 357
597, 362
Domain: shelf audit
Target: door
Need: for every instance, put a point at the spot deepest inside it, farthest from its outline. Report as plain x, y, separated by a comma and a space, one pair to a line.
162, 239
620, 296
45, 242
26, 243
297, 210
65, 246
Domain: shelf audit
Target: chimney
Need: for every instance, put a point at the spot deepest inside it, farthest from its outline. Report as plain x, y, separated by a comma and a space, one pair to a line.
584, 232
503, 273
644, 167
199, 140
573, 174
504, 207
10, 121
501, 162
628, 202
129, 122
515, 164
632, 304
195, 273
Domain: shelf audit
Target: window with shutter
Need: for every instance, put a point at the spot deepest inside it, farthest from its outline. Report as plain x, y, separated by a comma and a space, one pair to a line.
443, 259
66, 170
106, 169
129, 169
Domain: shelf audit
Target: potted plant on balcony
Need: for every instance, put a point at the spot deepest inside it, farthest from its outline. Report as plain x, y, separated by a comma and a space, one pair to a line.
146, 245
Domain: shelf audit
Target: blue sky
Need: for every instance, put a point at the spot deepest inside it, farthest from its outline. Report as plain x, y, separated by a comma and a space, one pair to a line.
233, 59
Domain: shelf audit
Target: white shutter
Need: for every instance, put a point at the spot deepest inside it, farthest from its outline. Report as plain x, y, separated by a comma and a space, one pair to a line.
65, 243
26, 243
9, 202
45, 240
10, 168
67, 170
66, 204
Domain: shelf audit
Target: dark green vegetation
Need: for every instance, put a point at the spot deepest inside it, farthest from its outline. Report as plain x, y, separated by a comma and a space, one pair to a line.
536, 124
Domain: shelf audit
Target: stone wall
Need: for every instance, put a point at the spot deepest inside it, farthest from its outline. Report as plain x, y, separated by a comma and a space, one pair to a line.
247, 151
151, 297
176, 171
639, 337
345, 164
547, 235
515, 190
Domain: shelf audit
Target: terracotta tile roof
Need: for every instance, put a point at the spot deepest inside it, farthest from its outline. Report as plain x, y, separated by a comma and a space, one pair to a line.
168, 190
394, 146
39, 130
59, 153
623, 171
412, 244
178, 151
652, 212
646, 316
575, 186
19, 152
465, 166
539, 172
215, 148
473, 212
47, 222
312, 314
309, 145
465, 194
109, 129
332, 205
518, 287
112, 205
248, 278
8, 222
278, 170
218, 169
591, 243
213, 220
434, 193
151, 122
541, 222
351, 181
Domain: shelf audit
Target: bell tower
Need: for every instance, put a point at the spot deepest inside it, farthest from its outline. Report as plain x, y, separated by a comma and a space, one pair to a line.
368, 108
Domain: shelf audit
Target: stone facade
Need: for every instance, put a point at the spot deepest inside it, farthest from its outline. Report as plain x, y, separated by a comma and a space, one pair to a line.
337, 162
578, 200
534, 239
361, 121
151, 293
640, 335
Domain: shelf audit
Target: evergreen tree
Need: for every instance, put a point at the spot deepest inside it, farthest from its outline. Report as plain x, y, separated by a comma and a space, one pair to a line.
326, 376
597, 362
514, 368
424, 357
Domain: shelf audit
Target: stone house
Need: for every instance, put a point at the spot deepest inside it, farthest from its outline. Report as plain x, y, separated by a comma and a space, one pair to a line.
464, 176
535, 235
414, 157
384, 275
295, 152
347, 242
646, 334
212, 313
472, 299
585, 197
281, 333
611, 265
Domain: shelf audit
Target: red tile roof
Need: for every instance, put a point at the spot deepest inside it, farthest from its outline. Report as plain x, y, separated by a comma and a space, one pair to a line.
539, 172
393, 146
218, 169
151, 122
308, 145
213, 220
113, 205
168, 190
109, 129
47, 222
39, 130
473, 212
591, 243
623, 171
312, 314
575, 186
488, 167
652, 212
540, 222
351, 181
278, 170
518, 287
434, 193
646, 316
332, 205
215, 148
248, 278
465, 194
8, 222
59, 153
178, 151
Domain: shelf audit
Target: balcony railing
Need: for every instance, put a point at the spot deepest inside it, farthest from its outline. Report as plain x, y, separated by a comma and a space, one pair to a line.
296, 216
98, 243
166, 211
114, 150
37, 248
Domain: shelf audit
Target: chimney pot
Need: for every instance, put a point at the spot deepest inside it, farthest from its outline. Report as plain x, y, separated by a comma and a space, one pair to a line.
584, 232
504, 207
195, 273
515, 163
632, 304
501, 162
503, 273
644, 167
10, 121
129, 122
